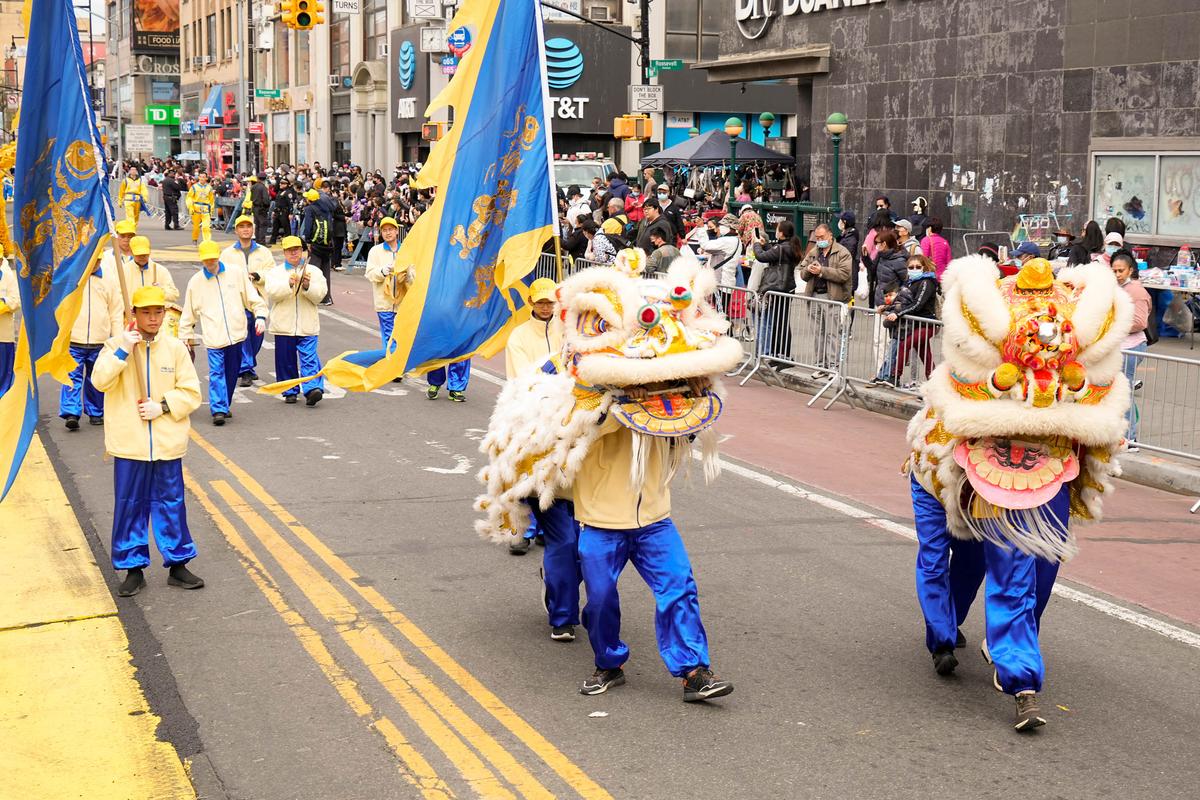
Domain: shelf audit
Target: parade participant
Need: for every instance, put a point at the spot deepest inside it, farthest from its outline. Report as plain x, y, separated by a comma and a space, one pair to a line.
125, 230
140, 270
1021, 424
294, 289
199, 201
100, 317
388, 283
218, 298
639, 357
152, 390
132, 195
10, 302
459, 375
256, 261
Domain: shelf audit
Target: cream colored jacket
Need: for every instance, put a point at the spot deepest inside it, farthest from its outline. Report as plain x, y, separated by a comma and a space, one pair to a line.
102, 311
532, 344
154, 274
169, 376
257, 259
603, 495
294, 313
10, 300
387, 287
219, 302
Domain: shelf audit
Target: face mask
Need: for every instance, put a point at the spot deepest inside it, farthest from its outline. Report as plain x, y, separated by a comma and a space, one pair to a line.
913, 274
1062, 240
823, 244
662, 196
1111, 249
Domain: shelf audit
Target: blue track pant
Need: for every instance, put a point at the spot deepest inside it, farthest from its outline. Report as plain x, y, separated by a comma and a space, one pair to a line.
387, 321
658, 555
560, 561
224, 363
69, 397
8, 352
949, 571
250, 347
302, 349
460, 373
149, 494
1018, 588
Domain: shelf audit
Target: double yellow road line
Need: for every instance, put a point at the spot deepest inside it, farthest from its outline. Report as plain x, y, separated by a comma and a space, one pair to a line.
486, 765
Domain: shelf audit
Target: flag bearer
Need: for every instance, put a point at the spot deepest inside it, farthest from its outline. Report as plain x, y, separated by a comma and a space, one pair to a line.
100, 315
218, 298
294, 289
132, 195
10, 302
256, 261
141, 270
199, 201
152, 390
388, 283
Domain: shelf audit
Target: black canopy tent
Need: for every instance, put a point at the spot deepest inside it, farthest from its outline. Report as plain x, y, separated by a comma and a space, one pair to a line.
712, 149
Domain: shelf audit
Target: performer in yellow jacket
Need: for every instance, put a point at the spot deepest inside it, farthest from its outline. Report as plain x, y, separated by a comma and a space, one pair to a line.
100, 317
218, 298
389, 283
125, 230
152, 389
200, 202
294, 289
141, 270
10, 301
132, 195
256, 261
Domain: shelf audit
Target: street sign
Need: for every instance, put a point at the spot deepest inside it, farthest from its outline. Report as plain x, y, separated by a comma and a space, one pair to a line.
347, 6
139, 138
449, 65
255, 128
162, 115
646, 99
658, 65
425, 10
273, 93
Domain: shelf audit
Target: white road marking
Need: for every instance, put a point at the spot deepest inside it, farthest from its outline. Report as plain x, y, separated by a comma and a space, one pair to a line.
461, 463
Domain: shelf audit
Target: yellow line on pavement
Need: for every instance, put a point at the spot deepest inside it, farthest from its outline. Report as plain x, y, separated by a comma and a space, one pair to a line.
419, 698
574, 776
413, 767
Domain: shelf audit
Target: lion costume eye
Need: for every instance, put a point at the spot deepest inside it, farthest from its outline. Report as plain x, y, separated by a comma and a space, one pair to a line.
649, 316
591, 323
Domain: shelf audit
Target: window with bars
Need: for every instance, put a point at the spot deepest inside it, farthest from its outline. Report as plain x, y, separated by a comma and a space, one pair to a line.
375, 28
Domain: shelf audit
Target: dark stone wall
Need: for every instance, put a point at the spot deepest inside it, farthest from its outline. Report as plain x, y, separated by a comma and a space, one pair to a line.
987, 107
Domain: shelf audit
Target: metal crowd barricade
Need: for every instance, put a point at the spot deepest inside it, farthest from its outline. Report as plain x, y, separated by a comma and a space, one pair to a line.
799, 331
547, 267
1165, 414
358, 260
899, 354
740, 307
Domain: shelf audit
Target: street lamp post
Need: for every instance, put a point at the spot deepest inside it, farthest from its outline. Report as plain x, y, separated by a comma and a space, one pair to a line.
733, 127
836, 124
693, 133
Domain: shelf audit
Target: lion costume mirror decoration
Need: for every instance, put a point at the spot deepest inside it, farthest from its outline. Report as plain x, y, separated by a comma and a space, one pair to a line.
1029, 396
620, 331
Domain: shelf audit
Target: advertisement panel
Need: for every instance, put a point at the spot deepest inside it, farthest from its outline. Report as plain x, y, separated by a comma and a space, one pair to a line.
155, 26
408, 79
584, 94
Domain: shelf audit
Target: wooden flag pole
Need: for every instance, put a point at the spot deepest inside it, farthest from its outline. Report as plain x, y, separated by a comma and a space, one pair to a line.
127, 304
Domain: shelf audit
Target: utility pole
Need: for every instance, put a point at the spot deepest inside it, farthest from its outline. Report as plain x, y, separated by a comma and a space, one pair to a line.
252, 38
243, 8
644, 44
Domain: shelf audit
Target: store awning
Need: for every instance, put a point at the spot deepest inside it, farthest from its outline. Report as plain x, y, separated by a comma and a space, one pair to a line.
211, 110
765, 65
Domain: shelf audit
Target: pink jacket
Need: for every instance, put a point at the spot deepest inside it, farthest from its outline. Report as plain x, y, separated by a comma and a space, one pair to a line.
937, 250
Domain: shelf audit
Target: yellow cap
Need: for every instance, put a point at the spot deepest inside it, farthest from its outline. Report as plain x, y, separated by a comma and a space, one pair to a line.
242, 220
291, 241
139, 246
126, 226
612, 226
208, 250
251, 179
543, 289
311, 195
388, 221
318, 182
147, 296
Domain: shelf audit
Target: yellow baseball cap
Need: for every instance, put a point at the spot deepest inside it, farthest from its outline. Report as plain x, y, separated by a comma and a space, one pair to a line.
209, 250
312, 195
291, 241
139, 246
126, 226
388, 221
543, 289
148, 296
243, 219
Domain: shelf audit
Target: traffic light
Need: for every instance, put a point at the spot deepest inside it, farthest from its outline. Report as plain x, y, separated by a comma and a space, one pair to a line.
634, 127
433, 131
301, 15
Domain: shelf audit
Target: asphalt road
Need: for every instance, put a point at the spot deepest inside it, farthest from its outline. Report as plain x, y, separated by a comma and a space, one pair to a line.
357, 640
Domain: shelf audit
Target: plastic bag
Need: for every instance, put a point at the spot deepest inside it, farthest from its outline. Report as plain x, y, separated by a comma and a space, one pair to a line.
1178, 316
863, 291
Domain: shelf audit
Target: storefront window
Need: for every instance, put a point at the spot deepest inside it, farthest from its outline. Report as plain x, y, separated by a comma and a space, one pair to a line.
1154, 194
339, 45
374, 28
303, 74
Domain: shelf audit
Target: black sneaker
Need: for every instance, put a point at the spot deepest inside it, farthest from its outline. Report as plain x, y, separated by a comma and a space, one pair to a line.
701, 684
1029, 715
398, 380
602, 680
133, 583
312, 397
290, 399
960, 641
219, 418
97, 421
180, 576
944, 662
519, 547
245, 381
432, 392
563, 633
72, 423
458, 397
540, 540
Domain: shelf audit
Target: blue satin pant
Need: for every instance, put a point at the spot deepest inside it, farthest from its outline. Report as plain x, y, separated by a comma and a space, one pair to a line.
149, 495
658, 555
948, 571
387, 321
560, 560
250, 347
8, 352
460, 373
292, 349
224, 364
1018, 588
81, 389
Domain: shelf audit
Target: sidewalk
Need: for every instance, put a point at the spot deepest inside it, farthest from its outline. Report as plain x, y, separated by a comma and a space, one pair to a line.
73, 719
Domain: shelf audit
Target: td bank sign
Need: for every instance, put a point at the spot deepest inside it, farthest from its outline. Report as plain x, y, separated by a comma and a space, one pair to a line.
754, 17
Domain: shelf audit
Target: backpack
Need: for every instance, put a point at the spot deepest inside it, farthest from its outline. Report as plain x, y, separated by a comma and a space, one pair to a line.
320, 232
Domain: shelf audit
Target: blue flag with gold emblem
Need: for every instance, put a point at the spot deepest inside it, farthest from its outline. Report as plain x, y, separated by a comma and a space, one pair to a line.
495, 206
60, 216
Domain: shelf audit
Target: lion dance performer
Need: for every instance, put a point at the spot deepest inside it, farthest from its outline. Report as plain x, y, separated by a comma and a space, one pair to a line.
640, 358
1018, 435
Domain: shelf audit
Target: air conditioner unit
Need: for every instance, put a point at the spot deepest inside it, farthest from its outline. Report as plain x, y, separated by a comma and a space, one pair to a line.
599, 13
381, 50
208, 59
335, 81
228, 54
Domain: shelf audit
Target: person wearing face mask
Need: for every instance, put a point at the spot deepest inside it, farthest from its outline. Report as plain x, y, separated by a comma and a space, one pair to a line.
1062, 244
826, 273
913, 315
1027, 251
1125, 270
848, 237
670, 211
723, 248
1112, 243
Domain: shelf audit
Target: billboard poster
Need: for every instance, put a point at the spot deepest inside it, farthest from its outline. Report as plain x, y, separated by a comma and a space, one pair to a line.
156, 25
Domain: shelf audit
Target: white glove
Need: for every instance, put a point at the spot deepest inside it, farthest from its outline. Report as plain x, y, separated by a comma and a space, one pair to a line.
150, 410
260, 325
129, 339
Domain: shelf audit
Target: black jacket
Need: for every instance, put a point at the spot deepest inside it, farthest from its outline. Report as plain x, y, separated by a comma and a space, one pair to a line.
339, 220
675, 217
890, 267
661, 224
171, 190
923, 304
575, 243
260, 197
779, 274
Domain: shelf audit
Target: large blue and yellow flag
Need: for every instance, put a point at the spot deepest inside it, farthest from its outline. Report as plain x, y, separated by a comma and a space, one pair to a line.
495, 204
60, 215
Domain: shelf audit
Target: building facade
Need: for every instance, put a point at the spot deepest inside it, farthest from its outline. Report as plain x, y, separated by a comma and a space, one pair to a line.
141, 74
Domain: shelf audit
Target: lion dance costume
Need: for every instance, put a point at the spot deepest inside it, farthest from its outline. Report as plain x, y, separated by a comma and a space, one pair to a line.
1018, 435
608, 426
